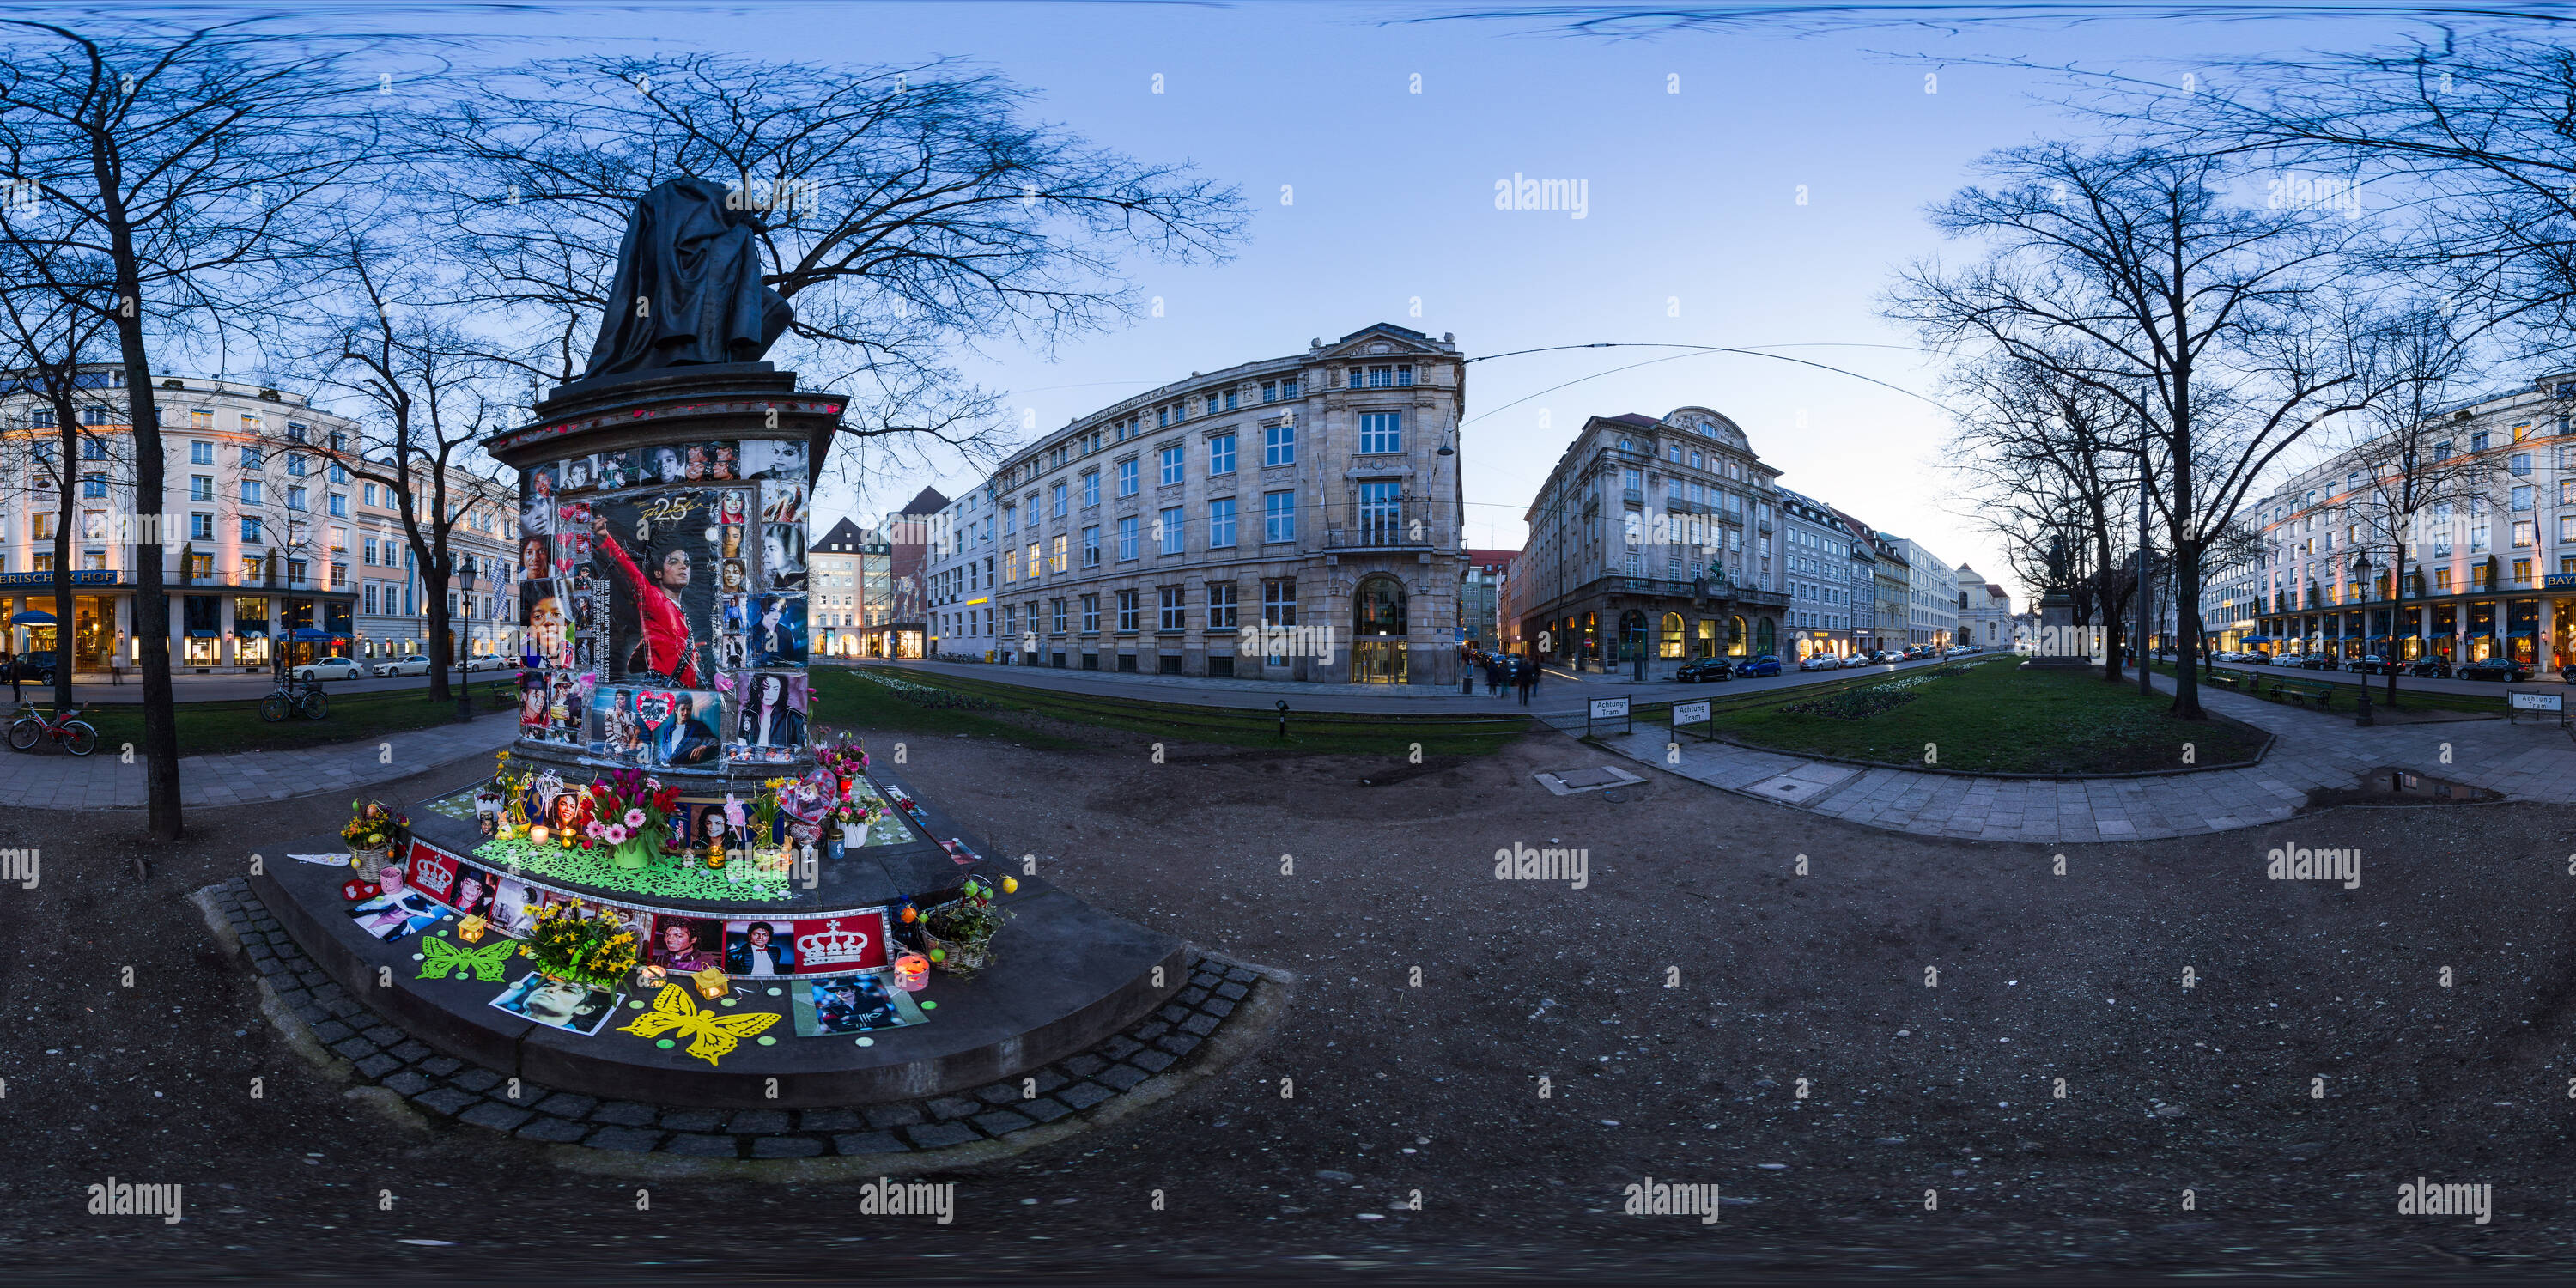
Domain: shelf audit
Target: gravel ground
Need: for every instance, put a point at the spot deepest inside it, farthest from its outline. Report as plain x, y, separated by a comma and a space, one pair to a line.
1672, 1005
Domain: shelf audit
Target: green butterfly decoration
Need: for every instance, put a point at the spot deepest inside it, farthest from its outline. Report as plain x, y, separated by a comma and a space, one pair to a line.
486, 962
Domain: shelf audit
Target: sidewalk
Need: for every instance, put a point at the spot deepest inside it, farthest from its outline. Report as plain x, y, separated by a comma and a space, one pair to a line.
2314, 750
56, 780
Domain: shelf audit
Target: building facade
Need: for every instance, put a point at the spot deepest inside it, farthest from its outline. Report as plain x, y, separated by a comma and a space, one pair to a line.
268, 540
1984, 609
1893, 579
2491, 572
1316, 493
1820, 563
840, 565
1653, 541
1930, 610
1480, 597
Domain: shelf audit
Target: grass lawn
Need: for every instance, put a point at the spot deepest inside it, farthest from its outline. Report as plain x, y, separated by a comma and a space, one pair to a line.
861, 698
1989, 717
2407, 695
217, 728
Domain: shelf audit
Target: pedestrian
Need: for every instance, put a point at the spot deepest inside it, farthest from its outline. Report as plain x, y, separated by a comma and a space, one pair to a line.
1493, 676
1524, 677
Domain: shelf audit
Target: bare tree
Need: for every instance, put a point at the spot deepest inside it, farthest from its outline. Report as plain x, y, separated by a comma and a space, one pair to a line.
432, 394
187, 163
2051, 461
2205, 320
48, 339
905, 211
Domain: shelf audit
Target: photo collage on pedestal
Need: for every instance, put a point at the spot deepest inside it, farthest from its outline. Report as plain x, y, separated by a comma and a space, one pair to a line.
665, 598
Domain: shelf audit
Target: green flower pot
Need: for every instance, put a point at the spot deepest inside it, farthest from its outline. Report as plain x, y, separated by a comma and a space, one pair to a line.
635, 852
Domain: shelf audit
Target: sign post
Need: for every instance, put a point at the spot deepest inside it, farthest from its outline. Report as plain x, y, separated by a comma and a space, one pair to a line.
2546, 703
1607, 709
1685, 713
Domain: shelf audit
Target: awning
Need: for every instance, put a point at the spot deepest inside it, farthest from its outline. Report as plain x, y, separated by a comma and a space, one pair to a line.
205, 635
32, 618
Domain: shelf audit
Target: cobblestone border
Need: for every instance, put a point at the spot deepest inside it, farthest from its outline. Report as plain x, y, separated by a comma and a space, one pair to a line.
1139, 1065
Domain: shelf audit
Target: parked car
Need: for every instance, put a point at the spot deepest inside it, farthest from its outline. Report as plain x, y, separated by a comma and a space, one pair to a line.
494, 662
34, 668
2496, 668
331, 668
415, 664
2431, 668
1820, 662
2317, 662
1705, 668
2372, 664
1763, 665
1860, 659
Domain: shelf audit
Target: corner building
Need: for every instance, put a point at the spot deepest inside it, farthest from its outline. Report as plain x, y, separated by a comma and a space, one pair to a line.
1317, 491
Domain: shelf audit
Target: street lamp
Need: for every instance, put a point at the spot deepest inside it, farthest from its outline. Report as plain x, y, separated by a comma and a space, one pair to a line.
465, 609
2361, 578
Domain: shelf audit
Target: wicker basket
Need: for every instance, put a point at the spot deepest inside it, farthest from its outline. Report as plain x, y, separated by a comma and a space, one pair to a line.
370, 860
954, 958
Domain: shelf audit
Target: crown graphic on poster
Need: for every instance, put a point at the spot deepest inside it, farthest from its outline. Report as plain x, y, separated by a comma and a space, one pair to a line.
832, 945
435, 878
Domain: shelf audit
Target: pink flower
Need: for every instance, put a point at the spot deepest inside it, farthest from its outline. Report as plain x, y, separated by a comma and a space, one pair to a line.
635, 818
613, 834
592, 828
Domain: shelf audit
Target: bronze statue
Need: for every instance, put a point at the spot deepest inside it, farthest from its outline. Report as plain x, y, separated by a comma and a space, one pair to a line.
688, 289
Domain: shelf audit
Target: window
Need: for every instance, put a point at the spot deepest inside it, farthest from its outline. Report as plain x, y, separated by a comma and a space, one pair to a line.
1279, 516
295, 464
1175, 608
250, 492
1127, 610
1055, 501
1221, 454
249, 528
1382, 431
1056, 613
369, 554
1091, 614
1279, 603
339, 505
1010, 519
1127, 477
337, 474
295, 498
2522, 572
2478, 441
2522, 496
1269, 391
1091, 546
1381, 515
94, 486
1162, 418
1127, 537
367, 598
1091, 488
1032, 573
1171, 466
2522, 533
1056, 553
1279, 444
252, 458
1167, 531
2442, 580
2519, 463
201, 453
1220, 612
1220, 523
201, 527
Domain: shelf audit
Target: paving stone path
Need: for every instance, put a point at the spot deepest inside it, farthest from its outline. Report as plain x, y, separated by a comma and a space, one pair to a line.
2313, 750
57, 780
449, 1090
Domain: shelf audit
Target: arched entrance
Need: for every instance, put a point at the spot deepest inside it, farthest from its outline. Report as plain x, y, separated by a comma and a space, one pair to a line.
1378, 630
1766, 636
1632, 636
1670, 643
1735, 644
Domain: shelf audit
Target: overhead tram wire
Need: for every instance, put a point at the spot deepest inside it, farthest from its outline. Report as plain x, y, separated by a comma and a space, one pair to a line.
1693, 348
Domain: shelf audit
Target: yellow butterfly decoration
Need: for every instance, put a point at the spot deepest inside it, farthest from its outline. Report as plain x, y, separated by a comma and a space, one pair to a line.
711, 1033
485, 963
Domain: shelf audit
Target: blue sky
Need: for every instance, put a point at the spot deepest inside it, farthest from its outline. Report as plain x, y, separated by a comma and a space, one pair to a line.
1693, 203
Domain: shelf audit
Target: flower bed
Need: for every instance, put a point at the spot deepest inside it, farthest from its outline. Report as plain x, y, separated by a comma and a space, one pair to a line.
1875, 699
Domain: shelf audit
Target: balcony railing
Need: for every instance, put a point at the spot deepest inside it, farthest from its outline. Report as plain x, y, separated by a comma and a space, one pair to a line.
1403, 525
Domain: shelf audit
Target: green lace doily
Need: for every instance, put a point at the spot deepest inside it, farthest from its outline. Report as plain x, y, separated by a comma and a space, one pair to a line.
671, 875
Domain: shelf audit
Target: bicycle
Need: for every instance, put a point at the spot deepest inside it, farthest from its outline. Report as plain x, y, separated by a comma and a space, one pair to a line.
307, 702
33, 726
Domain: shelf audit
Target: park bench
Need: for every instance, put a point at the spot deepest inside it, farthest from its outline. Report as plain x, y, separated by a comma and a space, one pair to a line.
2236, 681
2303, 691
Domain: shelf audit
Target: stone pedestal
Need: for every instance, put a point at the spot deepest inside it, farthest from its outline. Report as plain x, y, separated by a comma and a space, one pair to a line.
676, 641
2062, 645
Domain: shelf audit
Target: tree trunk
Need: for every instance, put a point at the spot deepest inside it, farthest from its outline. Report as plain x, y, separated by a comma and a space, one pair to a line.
2396, 596
67, 434
442, 630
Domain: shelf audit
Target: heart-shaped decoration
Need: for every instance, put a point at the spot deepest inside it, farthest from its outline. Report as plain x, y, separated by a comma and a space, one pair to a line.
653, 707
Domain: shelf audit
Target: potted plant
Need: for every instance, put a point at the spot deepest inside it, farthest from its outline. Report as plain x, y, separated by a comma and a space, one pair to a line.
630, 814
370, 834
593, 951
846, 761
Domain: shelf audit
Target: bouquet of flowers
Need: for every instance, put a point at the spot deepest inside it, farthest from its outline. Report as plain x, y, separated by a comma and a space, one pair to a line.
371, 826
630, 813
586, 950
843, 759
858, 813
